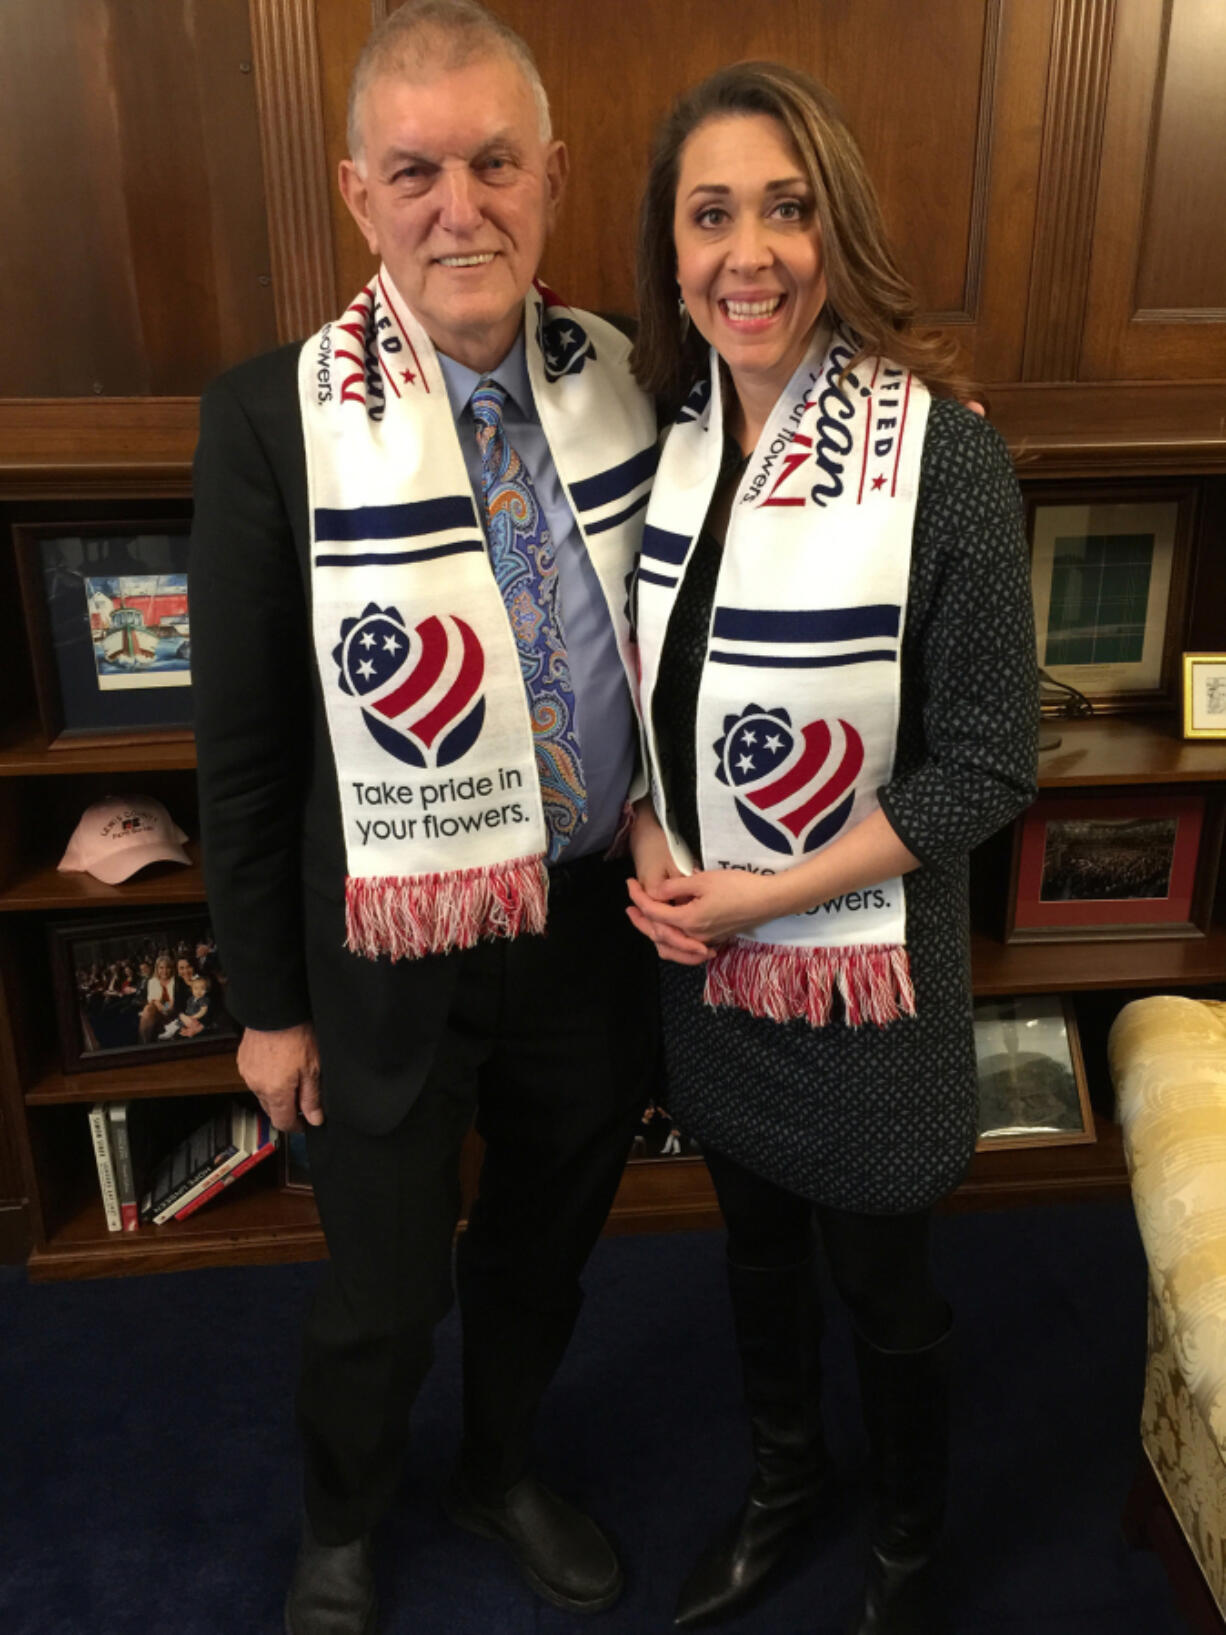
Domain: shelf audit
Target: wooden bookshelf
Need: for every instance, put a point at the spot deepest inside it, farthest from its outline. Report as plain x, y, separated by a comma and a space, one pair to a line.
1117, 749
259, 1223
1073, 1173
256, 1222
42, 791
211, 1075
24, 753
1079, 967
40, 885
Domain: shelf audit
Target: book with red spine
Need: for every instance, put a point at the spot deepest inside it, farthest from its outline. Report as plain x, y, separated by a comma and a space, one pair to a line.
191, 1165
125, 1168
258, 1142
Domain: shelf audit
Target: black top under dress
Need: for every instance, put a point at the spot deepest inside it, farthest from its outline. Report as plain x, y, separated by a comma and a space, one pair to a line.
879, 1119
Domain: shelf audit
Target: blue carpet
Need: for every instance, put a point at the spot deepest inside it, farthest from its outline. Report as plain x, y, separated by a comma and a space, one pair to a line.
148, 1484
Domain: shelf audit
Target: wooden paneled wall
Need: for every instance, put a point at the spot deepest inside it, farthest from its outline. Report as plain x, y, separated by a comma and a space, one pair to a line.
134, 256
1157, 291
945, 96
1051, 170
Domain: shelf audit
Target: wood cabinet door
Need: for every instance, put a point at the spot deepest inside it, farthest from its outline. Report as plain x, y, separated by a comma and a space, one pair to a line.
1156, 303
134, 257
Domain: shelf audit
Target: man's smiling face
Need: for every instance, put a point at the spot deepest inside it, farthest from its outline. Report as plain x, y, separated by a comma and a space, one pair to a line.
457, 191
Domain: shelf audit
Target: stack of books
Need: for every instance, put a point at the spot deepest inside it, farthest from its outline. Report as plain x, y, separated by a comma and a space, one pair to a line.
232, 1140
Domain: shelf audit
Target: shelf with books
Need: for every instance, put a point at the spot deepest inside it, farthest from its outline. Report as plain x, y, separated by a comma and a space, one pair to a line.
255, 1222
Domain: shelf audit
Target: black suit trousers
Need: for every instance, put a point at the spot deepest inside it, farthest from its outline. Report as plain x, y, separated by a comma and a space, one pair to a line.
550, 1043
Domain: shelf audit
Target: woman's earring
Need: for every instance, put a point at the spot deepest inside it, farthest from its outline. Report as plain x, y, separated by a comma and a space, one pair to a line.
683, 313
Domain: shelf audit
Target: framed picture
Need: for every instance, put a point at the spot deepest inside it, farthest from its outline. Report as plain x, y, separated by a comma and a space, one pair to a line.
1032, 1081
133, 990
658, 1136
1109, 575
1204, 695
1114, 866
295, 1171
106, 605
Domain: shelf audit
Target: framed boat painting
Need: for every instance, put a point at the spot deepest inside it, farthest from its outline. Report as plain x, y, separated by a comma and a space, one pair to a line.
107, 606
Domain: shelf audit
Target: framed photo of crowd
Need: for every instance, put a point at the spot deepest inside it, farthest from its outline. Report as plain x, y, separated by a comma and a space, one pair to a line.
1114, 865
107, 608
133, 990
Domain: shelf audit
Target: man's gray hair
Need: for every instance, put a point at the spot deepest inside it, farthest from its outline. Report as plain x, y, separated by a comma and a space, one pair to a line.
444, 33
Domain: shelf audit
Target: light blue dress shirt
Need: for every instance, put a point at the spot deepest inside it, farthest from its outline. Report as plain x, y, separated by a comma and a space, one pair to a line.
604, 715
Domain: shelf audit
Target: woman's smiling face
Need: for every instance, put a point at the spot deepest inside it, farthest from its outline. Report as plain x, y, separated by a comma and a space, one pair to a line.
749, 248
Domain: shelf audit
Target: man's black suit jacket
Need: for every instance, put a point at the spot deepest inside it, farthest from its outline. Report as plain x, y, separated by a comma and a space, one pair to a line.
270, 821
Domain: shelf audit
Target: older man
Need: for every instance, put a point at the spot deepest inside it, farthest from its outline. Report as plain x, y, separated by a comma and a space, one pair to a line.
410, 655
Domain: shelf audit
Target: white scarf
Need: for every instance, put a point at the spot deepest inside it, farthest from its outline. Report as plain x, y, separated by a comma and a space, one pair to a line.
443, 822
798, 705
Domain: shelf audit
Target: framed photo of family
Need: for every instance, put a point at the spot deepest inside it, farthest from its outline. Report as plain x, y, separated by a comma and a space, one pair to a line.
107, 608
660, 1136
135, 990
1109, 577
1112, 866
1032, 1080
1204, 695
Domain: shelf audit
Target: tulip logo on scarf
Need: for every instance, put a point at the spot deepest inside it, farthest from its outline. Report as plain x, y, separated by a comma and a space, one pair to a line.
565, 346
794, 789
420, 689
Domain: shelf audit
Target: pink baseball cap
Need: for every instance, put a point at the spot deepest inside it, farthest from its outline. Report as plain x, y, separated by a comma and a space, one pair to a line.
118, 836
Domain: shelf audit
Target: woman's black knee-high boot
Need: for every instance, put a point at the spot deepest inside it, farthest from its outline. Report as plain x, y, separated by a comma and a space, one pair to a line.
778, 1334
905, 1397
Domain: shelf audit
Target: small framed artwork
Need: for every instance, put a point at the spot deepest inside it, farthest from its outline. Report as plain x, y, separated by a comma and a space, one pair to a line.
106, 606
1114, 866
1032, 1081
1109, 576
295, 1171
1204, 695
134, 990
659, 1136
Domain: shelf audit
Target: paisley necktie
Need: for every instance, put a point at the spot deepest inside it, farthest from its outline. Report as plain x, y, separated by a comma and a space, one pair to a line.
525, 567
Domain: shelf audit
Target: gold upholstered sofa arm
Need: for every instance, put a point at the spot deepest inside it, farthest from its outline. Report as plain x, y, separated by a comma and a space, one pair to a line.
1168, 1062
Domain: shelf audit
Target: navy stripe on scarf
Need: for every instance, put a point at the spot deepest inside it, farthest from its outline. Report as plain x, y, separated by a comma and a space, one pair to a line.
395, 521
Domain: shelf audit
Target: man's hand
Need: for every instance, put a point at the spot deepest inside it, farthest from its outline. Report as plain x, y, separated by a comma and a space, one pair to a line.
281, 1069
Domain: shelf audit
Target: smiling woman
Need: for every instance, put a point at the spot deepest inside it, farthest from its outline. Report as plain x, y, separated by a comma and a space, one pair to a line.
838, 694
749, 254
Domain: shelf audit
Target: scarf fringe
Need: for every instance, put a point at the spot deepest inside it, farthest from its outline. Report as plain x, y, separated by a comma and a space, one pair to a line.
405, 918
783, 984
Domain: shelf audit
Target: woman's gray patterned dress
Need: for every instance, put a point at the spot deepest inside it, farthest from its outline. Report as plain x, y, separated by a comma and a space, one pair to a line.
874, 1119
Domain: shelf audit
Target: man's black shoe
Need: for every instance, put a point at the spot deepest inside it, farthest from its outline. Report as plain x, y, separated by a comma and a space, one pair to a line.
561, 1552
332, 1591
